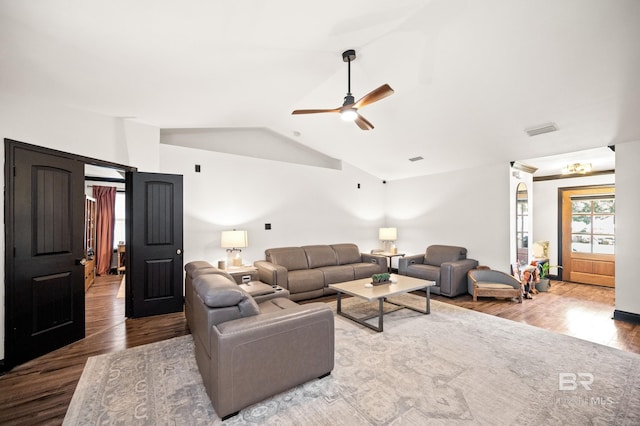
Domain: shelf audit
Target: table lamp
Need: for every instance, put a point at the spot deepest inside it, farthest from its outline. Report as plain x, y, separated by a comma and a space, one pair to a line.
234, 241
387, 235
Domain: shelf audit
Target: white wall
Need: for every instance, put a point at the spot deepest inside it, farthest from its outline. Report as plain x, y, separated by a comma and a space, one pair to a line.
545, 220
314, 205
469, 208
255, 142
627, 227
303, 204
74, 131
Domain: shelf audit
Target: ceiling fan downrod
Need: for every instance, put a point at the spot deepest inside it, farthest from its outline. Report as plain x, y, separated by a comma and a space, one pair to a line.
348, 56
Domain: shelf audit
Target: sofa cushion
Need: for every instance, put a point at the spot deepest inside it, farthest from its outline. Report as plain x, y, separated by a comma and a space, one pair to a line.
365, 270
494, 285
216, 291
212, 270
437, 255
195, 265
337, 274
426, 272
320, 255
292, 258
347, 253
305, 280
277, 304
248, 307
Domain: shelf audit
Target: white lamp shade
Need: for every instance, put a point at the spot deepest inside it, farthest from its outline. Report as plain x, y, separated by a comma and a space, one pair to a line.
234, 239
387, 234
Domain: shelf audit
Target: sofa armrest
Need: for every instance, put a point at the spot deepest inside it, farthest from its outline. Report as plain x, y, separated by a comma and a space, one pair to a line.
453, 277
272, 274
375, 258
258, 357
405, 261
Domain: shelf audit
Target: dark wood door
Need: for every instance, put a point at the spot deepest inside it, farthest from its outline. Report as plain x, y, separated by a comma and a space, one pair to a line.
154, 246
44, 204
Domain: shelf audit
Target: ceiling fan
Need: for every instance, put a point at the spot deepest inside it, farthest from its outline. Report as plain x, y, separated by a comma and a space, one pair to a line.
349, 109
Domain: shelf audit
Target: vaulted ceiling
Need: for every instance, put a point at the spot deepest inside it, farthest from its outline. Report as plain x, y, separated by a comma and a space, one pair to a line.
469, 75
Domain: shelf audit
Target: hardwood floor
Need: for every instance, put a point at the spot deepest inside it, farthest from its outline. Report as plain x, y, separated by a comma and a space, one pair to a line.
578, 310
40, 391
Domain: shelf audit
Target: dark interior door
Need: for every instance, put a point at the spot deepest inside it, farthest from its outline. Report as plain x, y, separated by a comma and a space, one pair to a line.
44, 205
154, 246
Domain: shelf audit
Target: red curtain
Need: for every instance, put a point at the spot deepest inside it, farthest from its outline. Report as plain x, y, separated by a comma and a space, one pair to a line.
105, 222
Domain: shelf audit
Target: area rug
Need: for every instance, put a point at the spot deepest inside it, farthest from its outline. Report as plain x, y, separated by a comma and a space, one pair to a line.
454, 366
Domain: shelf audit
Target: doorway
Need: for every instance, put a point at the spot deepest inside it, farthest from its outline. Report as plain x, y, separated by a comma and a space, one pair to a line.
105, 192
45, 239
45, 259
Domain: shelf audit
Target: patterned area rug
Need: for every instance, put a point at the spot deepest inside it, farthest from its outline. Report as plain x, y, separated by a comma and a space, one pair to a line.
454, 366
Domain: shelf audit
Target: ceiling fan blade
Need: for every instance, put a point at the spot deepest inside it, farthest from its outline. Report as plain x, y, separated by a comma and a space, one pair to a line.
314, 111
363, 123
373, 96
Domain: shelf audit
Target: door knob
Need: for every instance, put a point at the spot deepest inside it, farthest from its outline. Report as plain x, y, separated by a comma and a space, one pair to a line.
178, 252
82, 261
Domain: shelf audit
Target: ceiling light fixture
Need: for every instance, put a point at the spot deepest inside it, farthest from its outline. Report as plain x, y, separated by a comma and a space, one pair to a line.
349, 109
577, 168
523, 167
414, 159
349, 114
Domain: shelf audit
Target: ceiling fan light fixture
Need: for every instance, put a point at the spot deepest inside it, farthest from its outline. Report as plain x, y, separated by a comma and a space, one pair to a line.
577, 168
349, 109
349, 114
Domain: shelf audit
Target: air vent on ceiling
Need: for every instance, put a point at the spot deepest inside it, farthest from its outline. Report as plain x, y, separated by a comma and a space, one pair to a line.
539, 130
416, 158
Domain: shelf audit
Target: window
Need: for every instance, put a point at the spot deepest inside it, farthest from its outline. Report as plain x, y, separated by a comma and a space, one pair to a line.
522, 223
119, 226
592, 224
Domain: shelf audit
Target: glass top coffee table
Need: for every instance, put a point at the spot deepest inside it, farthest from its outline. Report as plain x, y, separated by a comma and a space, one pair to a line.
399, 284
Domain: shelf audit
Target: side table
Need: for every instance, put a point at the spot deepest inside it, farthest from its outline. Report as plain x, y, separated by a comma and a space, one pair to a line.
389, 256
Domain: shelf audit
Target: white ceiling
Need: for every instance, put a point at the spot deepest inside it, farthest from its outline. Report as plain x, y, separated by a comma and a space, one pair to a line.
469, 75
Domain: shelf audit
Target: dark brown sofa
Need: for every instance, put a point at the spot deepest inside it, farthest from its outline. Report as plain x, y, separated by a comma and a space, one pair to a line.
308, 270
248, 351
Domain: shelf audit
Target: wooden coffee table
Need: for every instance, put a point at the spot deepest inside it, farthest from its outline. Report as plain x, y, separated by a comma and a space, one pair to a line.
399, 284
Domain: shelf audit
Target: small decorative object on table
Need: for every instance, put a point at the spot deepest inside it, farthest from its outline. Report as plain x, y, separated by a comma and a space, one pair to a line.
379, 279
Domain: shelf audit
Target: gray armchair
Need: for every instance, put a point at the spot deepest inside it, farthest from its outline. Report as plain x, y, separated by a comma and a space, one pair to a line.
446, 265
490, 283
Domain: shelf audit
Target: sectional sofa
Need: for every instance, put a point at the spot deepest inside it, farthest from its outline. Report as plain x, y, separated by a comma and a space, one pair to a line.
250, 348
307, 271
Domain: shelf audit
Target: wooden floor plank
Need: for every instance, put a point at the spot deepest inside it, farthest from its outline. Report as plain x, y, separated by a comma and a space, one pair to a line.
39, 391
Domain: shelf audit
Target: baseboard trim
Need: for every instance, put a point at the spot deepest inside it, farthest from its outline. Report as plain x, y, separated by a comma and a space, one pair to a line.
626, 316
